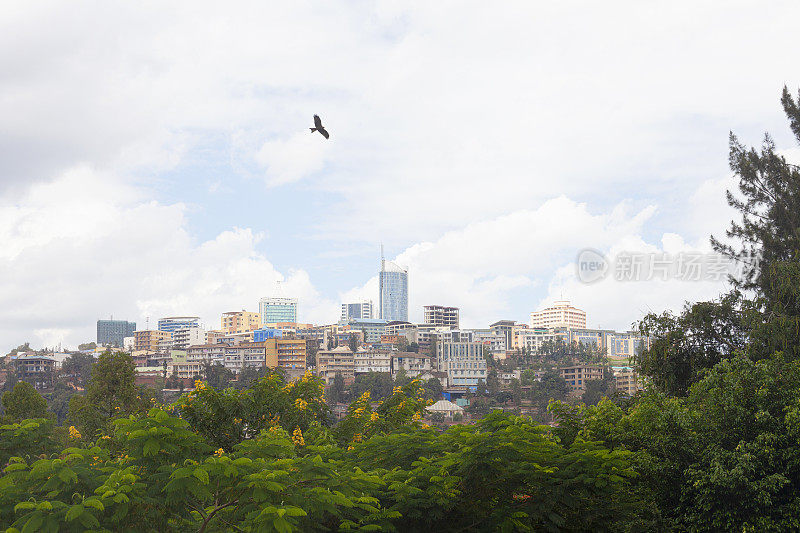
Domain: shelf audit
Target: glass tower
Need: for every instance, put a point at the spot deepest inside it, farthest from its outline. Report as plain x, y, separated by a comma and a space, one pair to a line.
393, 292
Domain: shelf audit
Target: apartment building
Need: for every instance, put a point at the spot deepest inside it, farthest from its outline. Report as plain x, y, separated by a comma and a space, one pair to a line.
494, 340
413, 364
150, 340
576, 376
185, 337
338, 360
359, 310
35, 369
287, 354
372, 361
239, 321
627, 380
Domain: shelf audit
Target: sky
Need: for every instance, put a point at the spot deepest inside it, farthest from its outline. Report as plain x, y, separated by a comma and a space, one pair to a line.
156, 159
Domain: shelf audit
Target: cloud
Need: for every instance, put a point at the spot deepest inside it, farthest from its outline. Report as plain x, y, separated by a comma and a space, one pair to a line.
76, 250
293, 159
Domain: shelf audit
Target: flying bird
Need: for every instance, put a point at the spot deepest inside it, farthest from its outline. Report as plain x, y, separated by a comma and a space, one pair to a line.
318, 127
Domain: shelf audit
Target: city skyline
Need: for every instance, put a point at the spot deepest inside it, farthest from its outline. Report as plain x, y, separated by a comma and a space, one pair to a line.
159, 181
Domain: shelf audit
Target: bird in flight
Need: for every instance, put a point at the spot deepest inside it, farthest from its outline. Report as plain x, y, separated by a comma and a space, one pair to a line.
318, 127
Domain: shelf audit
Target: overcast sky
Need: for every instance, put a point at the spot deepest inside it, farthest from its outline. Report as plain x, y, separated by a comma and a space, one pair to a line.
155, 158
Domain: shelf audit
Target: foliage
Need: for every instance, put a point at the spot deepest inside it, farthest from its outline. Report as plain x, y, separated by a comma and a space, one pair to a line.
379, 384
724, 458
77, 369
23, 401
227, 417
111, 393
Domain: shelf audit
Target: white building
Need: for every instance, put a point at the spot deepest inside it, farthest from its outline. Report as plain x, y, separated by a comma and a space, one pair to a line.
185, 337
441, 316
560, 315
412, 363
463, 362
491, 338
372, 361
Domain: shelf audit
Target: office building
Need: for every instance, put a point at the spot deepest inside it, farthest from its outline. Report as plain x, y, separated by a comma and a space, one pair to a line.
114, 331
441, 316
274, 310
171, 323
239, 321
463, 362
360, 310
393, 287
560, 315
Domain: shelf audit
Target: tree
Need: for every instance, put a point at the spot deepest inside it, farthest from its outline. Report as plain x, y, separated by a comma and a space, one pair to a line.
216, 375
551, 386
433, 389
770, 207
379, 384
24, 402
597, 389
111, 393
353, 342
58, 400
248, 375
87, 346
336, 390
77, 368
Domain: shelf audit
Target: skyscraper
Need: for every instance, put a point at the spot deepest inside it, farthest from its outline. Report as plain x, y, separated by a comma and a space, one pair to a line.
393, 282
275, 310
171, 323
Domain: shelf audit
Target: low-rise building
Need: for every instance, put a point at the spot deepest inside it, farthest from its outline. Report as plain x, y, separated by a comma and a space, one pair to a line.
239, 321
627, 380
412, 363
339, 360
372, 361
35, 369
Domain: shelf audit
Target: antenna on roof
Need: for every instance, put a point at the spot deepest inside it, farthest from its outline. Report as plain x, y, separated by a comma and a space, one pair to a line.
383, 261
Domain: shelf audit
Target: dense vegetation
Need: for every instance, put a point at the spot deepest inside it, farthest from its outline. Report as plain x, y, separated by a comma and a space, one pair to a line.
713, 444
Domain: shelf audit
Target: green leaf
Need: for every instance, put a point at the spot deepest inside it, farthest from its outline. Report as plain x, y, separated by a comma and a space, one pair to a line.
74, 512
151, 447
282, 525
202, 475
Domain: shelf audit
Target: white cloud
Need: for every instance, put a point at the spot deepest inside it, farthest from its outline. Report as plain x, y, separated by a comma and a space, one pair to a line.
293, 159
76, 250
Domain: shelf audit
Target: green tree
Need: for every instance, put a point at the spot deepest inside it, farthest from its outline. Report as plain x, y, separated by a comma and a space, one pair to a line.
77, 369
23, 401
597, 389
379, 384
352, 342
336, 390
111, 393
217, 376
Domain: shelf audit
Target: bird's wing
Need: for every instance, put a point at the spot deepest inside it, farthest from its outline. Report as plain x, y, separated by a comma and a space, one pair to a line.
324, 132
317, 122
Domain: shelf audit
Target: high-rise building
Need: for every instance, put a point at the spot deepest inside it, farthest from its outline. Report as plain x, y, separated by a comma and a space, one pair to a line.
560, 315
114, 331
240, 321
360, 310
393, 283
185, 337
171, 323
274, 310
441, 316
